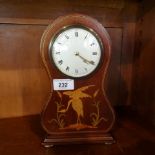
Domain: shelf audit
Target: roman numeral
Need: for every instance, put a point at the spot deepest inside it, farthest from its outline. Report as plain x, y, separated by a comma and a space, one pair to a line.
67, 68
67, 37
60, 62
76, 34
76, 71
85, 37
85, 69
57, 53
92, 44
94, 53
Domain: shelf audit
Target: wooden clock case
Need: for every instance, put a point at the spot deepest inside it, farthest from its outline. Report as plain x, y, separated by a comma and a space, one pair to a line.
83, 115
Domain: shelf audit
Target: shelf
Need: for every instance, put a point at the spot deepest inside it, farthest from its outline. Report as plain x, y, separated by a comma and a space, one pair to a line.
24, 135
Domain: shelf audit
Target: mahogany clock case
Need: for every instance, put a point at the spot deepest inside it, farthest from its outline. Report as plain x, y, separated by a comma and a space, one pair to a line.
84, 114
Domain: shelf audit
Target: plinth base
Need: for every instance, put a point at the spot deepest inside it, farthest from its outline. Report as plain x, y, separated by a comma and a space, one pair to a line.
51, 140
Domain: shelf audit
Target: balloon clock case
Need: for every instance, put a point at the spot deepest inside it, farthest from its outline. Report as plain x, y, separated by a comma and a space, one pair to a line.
76, 51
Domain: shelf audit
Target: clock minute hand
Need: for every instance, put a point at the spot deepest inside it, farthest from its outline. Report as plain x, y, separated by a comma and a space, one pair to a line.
84, 59
87, 61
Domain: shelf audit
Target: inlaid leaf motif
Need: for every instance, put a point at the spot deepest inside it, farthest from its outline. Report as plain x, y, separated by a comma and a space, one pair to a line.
96, 93
95, 116
59, 94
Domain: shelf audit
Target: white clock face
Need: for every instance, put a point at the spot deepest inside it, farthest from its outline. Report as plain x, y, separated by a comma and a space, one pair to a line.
76, 51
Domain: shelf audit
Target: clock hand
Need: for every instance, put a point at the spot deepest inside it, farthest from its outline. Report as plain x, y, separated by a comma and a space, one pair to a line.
84, 59
77, 54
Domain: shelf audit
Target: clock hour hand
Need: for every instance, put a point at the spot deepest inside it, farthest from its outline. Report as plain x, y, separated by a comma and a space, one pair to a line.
84, 59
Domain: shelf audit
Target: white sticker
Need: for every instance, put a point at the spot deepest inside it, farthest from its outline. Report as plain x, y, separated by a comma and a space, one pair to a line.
63, 84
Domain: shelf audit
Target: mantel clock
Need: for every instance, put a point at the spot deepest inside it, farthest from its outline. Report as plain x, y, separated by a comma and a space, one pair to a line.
76, 51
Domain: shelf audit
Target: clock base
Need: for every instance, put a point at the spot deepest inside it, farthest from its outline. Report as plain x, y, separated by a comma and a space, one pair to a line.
50, 141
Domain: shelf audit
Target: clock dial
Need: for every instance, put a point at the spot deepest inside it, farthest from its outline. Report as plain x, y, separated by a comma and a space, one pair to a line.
76, 51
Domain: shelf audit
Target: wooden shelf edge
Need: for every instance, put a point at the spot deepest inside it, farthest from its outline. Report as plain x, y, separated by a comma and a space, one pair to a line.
44, 22
25, 21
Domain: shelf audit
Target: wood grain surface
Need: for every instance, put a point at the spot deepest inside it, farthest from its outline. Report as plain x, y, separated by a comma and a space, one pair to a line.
24, 82
132, 138
143, 68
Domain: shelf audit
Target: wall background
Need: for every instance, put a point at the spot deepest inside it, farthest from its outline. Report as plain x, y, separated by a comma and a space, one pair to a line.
144, 65
23, 80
